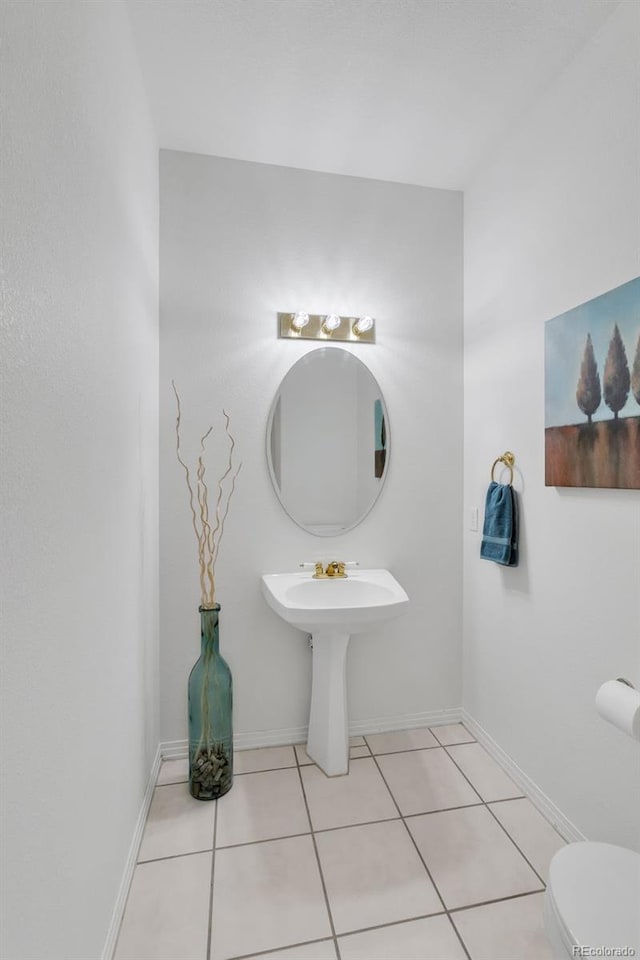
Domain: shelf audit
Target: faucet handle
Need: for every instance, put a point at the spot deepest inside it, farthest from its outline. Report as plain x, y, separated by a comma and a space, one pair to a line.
336, 567
319, 569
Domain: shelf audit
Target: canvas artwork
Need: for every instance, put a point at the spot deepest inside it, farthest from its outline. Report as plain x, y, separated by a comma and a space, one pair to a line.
592, 392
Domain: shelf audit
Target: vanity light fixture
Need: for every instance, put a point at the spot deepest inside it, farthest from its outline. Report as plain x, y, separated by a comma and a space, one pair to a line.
299, 321
323, 326
362, 325
330, 323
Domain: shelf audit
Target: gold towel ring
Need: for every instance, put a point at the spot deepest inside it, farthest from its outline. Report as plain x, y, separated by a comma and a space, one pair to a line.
508, 459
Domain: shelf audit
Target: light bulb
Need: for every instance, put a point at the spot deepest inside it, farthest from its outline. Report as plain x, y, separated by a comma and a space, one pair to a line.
331, 322
299, 321
362, 324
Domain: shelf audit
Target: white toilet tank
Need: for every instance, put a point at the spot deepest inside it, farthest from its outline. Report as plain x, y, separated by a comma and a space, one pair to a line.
593, 900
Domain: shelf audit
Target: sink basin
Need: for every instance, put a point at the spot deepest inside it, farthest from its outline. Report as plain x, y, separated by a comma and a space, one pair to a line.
331, 610
351, 605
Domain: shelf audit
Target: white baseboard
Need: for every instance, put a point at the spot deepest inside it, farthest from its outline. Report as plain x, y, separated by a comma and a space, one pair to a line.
547, 807
406, 721
269, 738
177, 749
132, 857
173, 749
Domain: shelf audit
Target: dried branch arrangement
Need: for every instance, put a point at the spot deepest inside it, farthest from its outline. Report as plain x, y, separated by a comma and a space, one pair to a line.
208, 530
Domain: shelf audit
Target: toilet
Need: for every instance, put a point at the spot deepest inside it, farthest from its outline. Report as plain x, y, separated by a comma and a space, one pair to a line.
593, 900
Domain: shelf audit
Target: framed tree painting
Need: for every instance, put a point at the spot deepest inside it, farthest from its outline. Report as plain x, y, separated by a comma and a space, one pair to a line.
592, 392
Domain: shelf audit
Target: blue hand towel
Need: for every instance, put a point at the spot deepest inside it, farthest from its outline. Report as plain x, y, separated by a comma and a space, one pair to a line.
500, 531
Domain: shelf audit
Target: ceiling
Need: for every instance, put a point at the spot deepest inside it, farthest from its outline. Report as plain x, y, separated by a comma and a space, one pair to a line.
416, 91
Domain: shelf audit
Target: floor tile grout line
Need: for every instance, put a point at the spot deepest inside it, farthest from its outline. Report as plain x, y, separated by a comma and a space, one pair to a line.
255, 843
388, 753
518, 796
292, 766
429, 813
138, 863
322, 880
349, 826
460, 770
429, 874
422, 860
213, 867
175, 856
492, 803
522, 854
455, 742
438, 913
286, 946
289, 836
488, 903
247, 773
482, 803
348, 933
391, 923
486, 803
420, 813
244, 773
343, 826
521, 796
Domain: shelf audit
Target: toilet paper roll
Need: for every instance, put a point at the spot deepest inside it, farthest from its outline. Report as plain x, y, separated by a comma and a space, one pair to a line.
620, 705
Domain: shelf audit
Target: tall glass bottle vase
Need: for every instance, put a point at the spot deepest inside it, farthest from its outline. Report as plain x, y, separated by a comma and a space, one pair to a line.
210, 705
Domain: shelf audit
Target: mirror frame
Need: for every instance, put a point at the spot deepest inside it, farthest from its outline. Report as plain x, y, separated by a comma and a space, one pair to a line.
272, 475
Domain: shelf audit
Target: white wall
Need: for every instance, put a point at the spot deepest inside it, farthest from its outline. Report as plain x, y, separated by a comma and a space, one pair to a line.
551, 222
238, 242
79, 470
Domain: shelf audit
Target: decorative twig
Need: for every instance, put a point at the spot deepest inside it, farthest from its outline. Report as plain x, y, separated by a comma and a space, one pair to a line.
208, 537
226, 511
204, 513
190, 488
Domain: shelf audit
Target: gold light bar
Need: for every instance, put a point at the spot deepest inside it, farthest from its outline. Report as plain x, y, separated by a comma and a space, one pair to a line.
322, 326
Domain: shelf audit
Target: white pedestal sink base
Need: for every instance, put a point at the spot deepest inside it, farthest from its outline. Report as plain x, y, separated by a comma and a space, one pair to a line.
328, 741
331, 610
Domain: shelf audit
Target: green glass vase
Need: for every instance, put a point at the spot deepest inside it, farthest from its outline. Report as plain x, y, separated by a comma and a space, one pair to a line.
210, 724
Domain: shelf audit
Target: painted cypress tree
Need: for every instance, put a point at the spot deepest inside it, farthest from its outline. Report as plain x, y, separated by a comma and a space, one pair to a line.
588, 393
635, 374
616, 379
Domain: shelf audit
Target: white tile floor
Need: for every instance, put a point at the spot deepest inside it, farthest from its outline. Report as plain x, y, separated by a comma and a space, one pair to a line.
425, 851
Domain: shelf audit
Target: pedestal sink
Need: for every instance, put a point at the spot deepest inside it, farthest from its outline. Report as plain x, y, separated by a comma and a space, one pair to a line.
331, 610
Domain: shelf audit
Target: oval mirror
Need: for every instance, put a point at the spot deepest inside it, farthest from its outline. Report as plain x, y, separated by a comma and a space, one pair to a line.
328, 441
